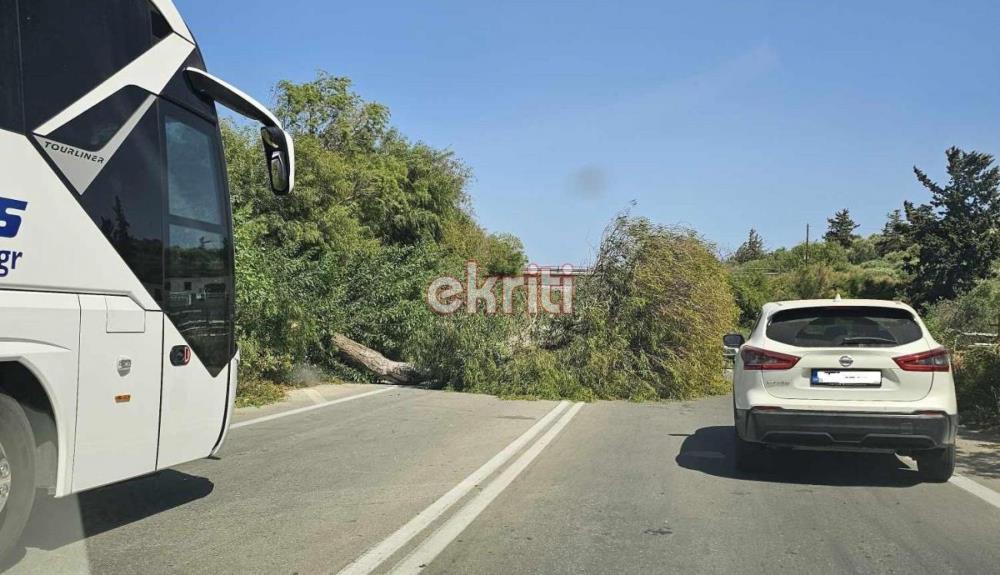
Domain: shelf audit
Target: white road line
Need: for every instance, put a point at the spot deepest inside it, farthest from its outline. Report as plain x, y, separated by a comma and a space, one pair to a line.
443, 536
966, 484
308, 408
980, 491
375, 556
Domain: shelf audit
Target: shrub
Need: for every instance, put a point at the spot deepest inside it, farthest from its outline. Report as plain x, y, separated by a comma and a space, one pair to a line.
751, 289
977, 384
284, 306
978, 310
870, 283
493, 354
977, 370
651, 317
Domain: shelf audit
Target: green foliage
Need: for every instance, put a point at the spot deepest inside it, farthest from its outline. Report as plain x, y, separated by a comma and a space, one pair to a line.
350, 158
752, 249
956, 233
650, 319
893, 236
815, 281
863, 250
802, 255
499, 254
977, 310
383, 297
976, 370
977, 385
284, 307
372, 220
647, 325
494, 354
751, 290
841, 229
257, 392
869, 283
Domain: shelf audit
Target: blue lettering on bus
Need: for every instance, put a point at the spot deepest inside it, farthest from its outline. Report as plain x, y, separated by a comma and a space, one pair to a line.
10, 223
8, 261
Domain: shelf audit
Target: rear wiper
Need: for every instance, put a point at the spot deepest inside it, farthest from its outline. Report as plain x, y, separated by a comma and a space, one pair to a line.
864, 340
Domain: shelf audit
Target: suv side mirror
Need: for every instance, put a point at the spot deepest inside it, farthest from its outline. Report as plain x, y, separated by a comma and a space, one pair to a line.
734, 340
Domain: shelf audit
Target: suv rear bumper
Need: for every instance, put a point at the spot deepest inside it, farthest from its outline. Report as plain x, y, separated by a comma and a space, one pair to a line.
818, 429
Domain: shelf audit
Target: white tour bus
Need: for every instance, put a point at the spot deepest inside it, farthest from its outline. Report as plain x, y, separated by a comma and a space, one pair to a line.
117, 355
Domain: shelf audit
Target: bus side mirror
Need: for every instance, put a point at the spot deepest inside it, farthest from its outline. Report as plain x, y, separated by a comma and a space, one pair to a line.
279, 153
279, 149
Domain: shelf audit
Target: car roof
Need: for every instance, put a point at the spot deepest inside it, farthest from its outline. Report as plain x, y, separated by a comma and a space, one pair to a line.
775, 306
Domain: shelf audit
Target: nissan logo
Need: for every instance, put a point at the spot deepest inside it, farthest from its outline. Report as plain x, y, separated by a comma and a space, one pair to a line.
846, 361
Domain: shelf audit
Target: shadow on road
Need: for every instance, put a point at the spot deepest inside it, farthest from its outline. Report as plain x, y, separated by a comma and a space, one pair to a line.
55, 523
980, 454
710, 450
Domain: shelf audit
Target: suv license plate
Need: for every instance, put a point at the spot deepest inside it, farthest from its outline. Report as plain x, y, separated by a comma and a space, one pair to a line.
847, 378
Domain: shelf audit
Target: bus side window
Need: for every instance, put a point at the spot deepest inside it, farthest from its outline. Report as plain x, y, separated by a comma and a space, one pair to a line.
198, 265
11, 114
126, 199
68, 48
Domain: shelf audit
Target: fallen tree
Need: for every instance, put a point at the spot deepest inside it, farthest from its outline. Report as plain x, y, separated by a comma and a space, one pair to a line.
387, 370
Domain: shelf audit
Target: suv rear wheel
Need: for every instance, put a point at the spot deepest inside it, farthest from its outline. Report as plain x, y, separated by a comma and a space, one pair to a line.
937, 465
17, 472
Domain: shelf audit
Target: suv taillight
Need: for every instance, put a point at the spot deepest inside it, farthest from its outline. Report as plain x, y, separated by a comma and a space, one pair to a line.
762, 359
933, 360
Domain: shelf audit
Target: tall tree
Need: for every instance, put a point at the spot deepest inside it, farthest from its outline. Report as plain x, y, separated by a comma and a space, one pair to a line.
958, 233
752, 249
841, 228
893, 236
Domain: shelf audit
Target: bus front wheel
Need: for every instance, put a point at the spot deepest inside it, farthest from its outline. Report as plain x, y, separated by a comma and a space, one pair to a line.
17, 473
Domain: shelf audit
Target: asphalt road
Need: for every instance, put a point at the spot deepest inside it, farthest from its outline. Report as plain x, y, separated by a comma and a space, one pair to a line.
416, 481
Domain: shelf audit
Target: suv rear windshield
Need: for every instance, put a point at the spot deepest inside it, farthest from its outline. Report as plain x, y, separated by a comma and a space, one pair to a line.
844, 327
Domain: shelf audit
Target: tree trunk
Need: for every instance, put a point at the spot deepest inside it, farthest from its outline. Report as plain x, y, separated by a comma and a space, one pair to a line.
387, 370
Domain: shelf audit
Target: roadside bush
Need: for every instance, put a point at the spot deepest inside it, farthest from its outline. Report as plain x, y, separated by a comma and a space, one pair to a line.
816, 281
602, 360
751, 290
977, 370
977, 310
493, 354
863, 249
977, 384
869, 283
284, 307
383, 294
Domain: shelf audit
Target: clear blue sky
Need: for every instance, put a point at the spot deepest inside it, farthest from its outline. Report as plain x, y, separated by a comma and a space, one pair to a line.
718, 115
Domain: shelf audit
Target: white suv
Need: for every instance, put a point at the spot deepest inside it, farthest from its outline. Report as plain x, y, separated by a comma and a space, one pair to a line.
844, 375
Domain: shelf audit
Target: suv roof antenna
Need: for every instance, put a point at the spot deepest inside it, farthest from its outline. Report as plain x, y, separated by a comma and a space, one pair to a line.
837, 297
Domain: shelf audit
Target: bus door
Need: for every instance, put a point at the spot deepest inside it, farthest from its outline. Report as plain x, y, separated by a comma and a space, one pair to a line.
198, 288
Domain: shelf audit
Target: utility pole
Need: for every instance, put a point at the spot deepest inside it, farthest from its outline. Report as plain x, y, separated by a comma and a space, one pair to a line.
807, 244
